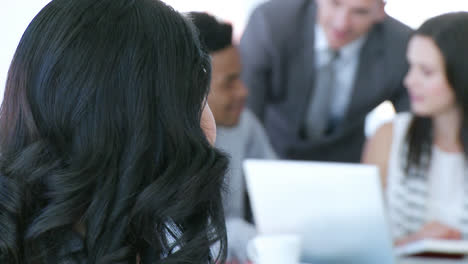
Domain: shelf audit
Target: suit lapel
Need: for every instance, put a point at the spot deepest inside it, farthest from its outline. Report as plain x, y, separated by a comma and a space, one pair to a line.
304, 66
368, 77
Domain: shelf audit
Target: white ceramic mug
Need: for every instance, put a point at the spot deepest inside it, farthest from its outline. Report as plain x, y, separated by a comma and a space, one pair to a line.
275, 249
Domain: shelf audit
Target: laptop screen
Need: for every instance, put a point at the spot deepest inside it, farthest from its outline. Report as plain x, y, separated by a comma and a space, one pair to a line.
337, 208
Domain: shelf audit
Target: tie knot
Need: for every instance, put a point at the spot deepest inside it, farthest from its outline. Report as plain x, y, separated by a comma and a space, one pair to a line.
334, 54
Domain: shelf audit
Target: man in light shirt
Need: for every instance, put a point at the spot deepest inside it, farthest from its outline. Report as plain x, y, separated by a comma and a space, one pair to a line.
239, 133
315, 69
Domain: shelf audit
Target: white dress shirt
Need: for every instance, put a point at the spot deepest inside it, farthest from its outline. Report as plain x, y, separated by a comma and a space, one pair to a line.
346, 67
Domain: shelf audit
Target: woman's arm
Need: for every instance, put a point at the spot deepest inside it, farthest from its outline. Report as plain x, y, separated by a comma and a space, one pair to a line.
433, 230
377, 150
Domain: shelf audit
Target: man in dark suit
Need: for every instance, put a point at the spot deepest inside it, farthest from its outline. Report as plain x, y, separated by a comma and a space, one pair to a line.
315, 69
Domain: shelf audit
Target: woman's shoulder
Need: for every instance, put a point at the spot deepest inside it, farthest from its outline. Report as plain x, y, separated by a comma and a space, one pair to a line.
400, 125
403, 119
394, 127
379, 148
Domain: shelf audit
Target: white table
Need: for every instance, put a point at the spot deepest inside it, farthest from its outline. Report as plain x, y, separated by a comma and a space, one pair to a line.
428, 261
431, 261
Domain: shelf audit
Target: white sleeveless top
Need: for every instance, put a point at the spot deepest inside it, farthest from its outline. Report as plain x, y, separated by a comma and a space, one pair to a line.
441, 196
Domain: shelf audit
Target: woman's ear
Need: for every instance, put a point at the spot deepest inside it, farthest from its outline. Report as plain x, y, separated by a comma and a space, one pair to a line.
208, 125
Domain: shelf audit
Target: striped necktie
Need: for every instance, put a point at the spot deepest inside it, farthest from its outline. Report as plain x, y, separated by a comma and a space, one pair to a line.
319, 121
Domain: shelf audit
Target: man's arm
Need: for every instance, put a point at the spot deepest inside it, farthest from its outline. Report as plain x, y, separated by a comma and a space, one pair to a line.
396, 42
255, 47
259, 145
400, 99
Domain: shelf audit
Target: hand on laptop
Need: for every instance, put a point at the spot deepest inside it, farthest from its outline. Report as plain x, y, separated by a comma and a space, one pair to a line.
432, 229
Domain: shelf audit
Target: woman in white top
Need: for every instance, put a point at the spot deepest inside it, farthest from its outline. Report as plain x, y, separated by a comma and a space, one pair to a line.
422, 155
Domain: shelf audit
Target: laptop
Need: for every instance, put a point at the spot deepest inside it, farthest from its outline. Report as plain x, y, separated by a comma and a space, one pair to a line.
337, 209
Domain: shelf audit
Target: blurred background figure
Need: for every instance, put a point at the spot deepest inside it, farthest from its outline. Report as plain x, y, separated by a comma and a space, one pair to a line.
239, 133
315, 69
422, 155
106, 151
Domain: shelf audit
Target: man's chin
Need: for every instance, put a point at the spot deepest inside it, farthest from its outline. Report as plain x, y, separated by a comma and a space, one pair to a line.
338, 44
336, 41
229, 123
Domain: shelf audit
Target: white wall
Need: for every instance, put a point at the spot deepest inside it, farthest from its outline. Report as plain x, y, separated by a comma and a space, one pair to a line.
415, 12
15, 16
236, 12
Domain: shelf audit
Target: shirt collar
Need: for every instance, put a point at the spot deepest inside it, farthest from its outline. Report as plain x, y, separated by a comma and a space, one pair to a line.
347, 51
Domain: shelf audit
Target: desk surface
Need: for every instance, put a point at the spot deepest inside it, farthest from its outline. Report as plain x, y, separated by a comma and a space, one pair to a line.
430, 261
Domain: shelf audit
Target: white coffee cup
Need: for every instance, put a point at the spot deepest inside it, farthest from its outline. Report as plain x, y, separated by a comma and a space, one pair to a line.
275, 249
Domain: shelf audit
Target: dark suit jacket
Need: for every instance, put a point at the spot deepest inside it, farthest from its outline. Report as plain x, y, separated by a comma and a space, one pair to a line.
277, 50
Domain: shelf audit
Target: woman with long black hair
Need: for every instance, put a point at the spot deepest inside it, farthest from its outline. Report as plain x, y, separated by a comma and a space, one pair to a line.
106, 139
422, 155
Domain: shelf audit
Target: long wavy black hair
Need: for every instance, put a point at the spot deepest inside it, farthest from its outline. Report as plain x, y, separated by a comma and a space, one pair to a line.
450, 34
100, 136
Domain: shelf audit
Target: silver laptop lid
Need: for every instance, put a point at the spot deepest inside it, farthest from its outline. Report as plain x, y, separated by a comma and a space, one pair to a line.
337, 208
